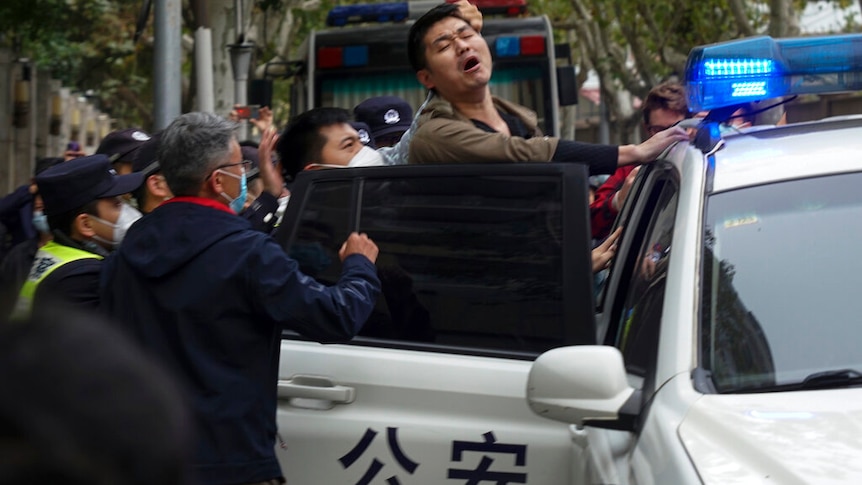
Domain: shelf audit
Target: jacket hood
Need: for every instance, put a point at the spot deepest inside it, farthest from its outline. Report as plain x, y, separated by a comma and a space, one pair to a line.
780, 437
174, 234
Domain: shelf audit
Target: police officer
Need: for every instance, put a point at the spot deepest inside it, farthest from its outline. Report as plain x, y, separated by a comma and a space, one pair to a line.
154, 189
121, 147
88, 219
388, 117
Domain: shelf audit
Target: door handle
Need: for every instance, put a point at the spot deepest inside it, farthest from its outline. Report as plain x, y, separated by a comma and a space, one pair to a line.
315, 387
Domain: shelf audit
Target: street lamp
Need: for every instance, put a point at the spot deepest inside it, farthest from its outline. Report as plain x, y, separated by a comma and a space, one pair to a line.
240, 61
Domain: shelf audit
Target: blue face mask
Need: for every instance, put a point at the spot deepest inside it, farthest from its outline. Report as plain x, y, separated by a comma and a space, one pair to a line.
238, 203
40, 222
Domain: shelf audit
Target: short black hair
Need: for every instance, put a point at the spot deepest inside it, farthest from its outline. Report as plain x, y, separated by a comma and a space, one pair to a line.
140, 194
416, 37
63, 222
301, 142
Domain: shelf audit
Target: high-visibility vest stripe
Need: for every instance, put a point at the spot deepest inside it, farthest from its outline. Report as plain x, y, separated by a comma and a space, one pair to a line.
49, 257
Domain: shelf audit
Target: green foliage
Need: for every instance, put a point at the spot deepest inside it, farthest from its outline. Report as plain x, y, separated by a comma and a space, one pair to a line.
633, 45
306, 21
87, 44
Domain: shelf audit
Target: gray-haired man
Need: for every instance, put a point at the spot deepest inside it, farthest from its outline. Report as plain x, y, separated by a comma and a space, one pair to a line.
208, 295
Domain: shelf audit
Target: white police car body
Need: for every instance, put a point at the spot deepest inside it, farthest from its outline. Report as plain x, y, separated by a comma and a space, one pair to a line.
730, 314
479, 266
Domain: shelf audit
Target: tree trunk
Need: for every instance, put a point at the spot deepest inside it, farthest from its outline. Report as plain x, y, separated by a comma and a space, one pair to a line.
222, 17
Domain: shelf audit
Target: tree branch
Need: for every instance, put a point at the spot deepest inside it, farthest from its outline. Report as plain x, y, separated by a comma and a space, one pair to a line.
737, 8
144, 110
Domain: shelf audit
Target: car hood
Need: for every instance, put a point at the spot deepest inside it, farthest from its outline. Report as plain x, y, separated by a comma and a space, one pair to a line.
781, 437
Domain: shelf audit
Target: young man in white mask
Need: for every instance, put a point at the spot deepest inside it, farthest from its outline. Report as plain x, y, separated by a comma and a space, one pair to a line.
323, 138
88, 219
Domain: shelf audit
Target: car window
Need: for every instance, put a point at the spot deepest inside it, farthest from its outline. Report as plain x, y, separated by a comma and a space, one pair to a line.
780, 275
640, 314
465, 262
625, 213
323, 227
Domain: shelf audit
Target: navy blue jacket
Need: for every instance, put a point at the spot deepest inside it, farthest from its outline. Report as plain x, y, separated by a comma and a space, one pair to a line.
210, 296
16, 213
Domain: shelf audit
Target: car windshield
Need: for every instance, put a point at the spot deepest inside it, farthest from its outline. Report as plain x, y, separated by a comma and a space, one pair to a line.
781, 282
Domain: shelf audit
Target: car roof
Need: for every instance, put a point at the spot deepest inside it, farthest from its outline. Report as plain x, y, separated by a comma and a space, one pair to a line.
762, 155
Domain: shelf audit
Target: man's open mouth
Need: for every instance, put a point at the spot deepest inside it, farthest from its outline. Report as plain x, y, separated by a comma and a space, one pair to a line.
470, 63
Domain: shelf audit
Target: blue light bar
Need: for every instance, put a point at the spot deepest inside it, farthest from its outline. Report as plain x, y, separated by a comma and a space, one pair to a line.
507, 46
355, 55
757, 68
738, 67
372, 12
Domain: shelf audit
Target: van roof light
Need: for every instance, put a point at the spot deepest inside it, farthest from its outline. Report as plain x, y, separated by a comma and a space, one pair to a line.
400, 11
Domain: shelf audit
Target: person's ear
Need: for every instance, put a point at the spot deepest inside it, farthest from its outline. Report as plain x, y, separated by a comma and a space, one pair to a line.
424, 77
83, 225
215, 182
158, 186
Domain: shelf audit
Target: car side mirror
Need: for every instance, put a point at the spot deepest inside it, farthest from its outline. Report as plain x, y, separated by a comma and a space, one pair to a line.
584, 385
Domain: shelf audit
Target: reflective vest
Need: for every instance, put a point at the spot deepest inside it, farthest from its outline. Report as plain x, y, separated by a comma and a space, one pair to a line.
49, 257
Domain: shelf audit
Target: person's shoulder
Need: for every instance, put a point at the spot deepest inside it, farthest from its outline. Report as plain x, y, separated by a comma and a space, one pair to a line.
23, 250
442, 123
437, 108
15, 200
192, 211
70, 275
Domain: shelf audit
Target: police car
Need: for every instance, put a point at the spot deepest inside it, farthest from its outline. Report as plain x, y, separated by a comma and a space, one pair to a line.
731, 335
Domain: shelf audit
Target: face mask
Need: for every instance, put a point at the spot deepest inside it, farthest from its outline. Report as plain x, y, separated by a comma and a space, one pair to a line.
128, 216
40, 222
366, 157
237, 204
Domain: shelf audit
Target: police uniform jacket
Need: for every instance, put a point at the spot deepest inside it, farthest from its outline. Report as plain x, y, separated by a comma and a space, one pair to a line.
63, 272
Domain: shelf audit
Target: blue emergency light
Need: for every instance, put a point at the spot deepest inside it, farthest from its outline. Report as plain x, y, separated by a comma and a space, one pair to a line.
374, 12
757, 68
514, 46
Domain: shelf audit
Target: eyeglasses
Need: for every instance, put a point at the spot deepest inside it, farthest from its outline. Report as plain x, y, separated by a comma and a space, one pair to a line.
245, 164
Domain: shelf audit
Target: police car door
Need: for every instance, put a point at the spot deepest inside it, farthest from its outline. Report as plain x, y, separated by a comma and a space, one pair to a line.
477, 264
631, 305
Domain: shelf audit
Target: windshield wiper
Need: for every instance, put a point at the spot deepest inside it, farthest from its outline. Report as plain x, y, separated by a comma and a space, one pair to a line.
831, 379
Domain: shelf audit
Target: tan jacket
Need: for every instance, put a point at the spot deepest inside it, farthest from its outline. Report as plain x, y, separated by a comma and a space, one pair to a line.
446, 136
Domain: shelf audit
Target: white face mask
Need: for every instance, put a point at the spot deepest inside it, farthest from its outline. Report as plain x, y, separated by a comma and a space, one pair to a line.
366, 157
128, 216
